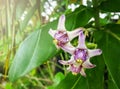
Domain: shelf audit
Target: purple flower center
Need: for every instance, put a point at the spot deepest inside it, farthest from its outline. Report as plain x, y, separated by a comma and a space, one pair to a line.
81, 54
61, 37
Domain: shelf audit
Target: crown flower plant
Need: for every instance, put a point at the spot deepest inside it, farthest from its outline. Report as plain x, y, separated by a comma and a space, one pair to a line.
60, 44
80, 55
61, 35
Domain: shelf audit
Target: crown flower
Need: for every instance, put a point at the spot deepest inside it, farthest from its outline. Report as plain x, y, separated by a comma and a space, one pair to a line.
81, 55
61, 35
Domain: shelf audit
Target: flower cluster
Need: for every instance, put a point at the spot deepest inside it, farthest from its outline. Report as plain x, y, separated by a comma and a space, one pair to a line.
80, 55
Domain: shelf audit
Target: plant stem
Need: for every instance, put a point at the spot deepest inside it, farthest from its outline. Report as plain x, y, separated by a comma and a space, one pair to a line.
61, 55
96, 13
49, 70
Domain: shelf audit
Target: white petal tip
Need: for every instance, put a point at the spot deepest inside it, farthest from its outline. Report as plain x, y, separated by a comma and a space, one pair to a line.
57, 47
83, 74
91, 66
52, 32
62, 62
99, 51
49, 31
61, 23
94, 52
62, 16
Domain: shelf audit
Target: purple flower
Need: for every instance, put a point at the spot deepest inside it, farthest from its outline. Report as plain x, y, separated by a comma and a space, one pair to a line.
80, 59
81, 55
61, 36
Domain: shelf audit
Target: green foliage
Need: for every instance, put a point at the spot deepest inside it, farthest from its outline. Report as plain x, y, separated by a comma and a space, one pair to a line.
95, 77
72, 82
110, 5
58, 77
32, 53
110, 45
31, 67
74, 20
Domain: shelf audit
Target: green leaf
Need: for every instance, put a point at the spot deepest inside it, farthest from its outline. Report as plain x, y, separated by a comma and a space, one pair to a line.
110, 44
110, 5
58, 77
95, 76
111, 83
34, 50
113, 27
83, 17
79, 17
71, 81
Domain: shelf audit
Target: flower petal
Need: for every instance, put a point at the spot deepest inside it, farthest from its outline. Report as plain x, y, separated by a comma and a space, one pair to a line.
71, 61
87, 64
75, 69
94, 52
81, 42
52, 32
68, 48
82, 72
61, 23
74, 33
